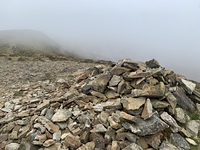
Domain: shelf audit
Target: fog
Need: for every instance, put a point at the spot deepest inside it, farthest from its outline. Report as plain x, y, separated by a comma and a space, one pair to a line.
166, 30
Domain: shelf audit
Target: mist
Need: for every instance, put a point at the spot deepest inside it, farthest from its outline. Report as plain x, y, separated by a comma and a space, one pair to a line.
166, 30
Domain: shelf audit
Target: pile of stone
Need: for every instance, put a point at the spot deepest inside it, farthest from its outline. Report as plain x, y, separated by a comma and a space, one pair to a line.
128, 105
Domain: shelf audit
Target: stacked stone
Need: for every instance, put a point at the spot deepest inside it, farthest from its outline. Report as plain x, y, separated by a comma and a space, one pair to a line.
128, 105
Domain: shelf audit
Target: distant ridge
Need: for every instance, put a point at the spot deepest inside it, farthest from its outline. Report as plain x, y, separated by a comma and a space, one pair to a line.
27, 42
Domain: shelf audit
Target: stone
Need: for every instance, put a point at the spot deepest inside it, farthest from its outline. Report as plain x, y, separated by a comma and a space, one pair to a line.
98, 139
87, 146
191, 141
180, 115
179, 141
48, 143
122, 136
12, 146
117, 70
99, 95
128, 117
115, 146
101, 82
113, 123
112, 104
40, 127
41, 137
43, 105
132, 103
152, 63
51, 127
110, 135
154, 140
24, 113
110, 94
133, 146
57, 135
87, 88
172, 100
154, 91
72, 141
49, 113
167, 146
170, 121
61, 115
148, 110
198, 107
183, 100
193, 127
103, 117
157, 104
99, 128
8, 118
188, 85
150, 126
141, 142
138, 93
114, 81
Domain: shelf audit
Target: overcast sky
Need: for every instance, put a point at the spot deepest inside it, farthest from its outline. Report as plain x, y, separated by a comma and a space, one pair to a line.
167, 30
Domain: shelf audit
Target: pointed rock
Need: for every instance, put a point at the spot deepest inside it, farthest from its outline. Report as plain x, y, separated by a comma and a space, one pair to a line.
148, 110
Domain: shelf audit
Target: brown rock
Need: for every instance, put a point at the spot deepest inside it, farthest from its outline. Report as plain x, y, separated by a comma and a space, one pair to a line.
128, 117
72, 141
133, 146
148, 110
133, 103
100, 83
48, 143
115, 146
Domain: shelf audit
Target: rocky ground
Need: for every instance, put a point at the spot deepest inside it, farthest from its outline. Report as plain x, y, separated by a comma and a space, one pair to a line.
57, 104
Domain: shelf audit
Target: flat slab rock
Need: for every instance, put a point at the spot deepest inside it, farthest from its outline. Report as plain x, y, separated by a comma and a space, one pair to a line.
150, 126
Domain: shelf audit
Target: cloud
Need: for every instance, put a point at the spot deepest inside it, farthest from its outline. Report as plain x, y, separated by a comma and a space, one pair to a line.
166, 30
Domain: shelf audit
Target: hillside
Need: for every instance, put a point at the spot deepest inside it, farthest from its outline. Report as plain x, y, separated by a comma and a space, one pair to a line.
27, 43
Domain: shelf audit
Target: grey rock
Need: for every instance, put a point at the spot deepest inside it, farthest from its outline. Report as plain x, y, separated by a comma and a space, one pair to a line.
170, 121
183, 100
117, 70
12, 146
57, 135
167, 146
49, 113
179, 141
150, 126
172, 100
114, 80
157, 104
8, 118
193, 127
180, 115
98, 128
100, 83
188, 85
133, 146
152, 63
121, 136
61, 115
87, 88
